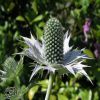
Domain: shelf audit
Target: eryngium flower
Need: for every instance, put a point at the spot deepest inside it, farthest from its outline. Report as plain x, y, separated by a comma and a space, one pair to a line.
54, 53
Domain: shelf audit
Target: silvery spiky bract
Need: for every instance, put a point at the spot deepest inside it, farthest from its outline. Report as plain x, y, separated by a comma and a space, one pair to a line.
54, 53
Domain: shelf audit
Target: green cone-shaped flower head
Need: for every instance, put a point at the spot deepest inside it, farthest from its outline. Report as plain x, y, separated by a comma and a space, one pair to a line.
53, 40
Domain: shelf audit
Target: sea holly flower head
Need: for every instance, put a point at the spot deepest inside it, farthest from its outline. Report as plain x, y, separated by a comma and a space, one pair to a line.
54, 53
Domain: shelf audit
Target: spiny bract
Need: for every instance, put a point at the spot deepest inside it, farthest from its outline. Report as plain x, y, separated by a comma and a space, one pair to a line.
53, 39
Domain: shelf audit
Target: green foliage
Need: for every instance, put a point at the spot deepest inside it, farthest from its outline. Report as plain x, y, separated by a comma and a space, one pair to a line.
10, 75
89, 53
11, 71
22, 17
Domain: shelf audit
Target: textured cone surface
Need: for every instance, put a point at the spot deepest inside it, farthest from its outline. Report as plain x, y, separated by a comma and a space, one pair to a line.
53, 39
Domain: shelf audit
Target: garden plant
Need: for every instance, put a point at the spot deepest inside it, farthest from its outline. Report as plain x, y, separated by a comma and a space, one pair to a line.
49, 49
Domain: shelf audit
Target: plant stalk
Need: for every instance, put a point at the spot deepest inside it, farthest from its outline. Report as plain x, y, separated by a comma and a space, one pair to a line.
51, 78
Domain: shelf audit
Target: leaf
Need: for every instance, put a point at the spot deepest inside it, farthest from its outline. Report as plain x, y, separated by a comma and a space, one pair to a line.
62, 97
35, 6
53, 97
84, 95
96, 96
38, 18
12, 71
41, 24
11, 6
76, 13
23, 90
10, 63
9, 71
44, 83
19, 67
2, 97
32, 92
39, 32
85, 3
20, 18
20, 92
89, 53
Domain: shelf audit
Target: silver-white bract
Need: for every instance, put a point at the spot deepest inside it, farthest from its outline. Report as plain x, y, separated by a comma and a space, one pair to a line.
72, 61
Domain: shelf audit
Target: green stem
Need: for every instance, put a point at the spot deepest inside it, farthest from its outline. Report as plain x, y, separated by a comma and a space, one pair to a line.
51, 78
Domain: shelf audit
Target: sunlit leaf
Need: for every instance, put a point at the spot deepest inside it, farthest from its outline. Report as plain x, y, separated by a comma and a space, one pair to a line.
62, 97
39, 32
20, 18
35, 6
89, 53
32, 92
53, 97
43, 83
38, 18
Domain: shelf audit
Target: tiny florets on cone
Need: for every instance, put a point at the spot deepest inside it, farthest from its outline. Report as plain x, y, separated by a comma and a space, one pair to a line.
53, 39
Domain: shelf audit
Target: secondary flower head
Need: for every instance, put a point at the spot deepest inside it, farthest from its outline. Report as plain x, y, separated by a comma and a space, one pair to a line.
86, 28
54, 53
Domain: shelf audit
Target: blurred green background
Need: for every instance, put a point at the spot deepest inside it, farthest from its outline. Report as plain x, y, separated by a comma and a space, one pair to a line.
22, 17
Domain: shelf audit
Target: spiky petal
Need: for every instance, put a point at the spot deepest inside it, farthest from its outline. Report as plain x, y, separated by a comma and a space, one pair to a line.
35, 49
66, 47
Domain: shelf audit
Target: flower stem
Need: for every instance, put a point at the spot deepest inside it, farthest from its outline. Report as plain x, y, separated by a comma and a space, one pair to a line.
51, 78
